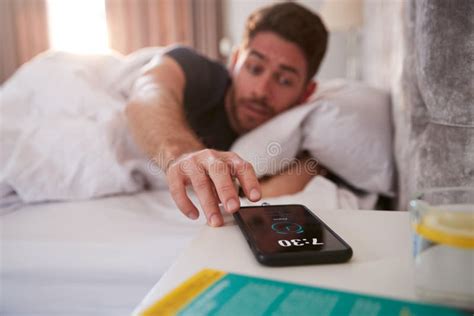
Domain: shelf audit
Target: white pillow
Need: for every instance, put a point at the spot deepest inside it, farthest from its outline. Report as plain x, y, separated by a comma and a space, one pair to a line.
275, 143
346, 126
350, 132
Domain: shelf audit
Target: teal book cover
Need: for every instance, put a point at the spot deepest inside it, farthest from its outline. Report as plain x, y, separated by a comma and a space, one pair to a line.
213, 292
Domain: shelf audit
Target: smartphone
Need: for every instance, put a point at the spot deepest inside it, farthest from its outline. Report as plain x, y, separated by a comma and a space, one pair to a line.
284, 235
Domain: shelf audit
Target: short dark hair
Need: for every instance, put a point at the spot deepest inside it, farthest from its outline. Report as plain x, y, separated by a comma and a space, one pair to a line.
294, 23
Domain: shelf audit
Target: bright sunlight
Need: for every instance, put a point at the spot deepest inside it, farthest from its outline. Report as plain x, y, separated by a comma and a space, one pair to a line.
78, 26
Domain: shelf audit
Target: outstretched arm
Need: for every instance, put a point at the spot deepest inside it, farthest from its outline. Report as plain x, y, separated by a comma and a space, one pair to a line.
156, 116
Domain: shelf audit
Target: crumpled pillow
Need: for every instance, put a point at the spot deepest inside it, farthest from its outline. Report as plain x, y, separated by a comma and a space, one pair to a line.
346, 126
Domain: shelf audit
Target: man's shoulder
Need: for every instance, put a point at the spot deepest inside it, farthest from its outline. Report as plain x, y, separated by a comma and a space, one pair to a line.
188, 56
202, 74
182, 50
179, 49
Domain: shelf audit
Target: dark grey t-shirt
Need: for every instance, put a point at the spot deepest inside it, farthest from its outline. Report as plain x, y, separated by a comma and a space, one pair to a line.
204, 97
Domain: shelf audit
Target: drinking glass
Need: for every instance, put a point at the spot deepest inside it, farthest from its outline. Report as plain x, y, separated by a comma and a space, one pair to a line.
442, 221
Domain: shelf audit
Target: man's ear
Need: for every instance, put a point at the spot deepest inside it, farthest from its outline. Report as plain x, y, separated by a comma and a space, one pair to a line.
310, 89
234, 56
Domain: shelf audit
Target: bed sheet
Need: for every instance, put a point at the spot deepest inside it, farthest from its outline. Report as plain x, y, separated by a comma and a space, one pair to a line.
97, 257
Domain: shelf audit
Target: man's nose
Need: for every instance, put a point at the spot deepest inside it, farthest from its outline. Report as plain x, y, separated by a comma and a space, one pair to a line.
262, 87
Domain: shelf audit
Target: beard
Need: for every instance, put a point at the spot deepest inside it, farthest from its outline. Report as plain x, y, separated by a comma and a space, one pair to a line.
245, 125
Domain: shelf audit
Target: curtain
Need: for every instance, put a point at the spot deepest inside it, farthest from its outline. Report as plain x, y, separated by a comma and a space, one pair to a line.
24, 33
207, 27
134, 24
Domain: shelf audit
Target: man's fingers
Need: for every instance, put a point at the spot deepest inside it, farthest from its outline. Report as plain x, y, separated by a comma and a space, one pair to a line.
210, 173
220, 174
177, 189
244, 171
203, 187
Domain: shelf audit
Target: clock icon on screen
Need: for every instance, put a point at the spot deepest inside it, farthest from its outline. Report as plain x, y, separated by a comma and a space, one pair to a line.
287, 228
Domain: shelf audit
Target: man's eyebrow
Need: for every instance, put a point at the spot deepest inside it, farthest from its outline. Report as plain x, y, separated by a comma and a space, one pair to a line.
289, 69
257, 54
281, 66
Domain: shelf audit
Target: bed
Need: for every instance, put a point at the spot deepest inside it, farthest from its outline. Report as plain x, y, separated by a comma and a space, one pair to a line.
97, 257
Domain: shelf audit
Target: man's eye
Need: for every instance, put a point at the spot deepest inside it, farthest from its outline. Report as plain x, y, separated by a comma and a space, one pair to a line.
284, 81
254, 69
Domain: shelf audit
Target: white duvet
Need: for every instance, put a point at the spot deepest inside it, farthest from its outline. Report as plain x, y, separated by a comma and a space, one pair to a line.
63, 134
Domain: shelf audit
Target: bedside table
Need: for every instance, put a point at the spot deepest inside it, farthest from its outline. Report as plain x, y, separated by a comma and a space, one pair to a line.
381, 264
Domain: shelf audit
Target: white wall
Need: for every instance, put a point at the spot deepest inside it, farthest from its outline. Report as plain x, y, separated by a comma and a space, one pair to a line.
382, 43
237, 11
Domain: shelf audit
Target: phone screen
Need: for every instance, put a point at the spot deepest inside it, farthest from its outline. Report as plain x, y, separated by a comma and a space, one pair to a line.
282, 229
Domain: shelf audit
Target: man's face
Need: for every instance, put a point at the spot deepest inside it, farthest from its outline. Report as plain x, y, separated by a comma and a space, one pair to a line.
268, 77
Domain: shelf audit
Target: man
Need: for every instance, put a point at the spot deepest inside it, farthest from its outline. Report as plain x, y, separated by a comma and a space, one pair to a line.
185, 111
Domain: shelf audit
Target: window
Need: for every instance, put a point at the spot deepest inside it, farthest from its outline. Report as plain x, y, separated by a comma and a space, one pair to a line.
78, 26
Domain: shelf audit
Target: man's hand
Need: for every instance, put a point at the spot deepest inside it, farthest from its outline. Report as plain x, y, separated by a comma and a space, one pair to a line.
294, 178
211, 175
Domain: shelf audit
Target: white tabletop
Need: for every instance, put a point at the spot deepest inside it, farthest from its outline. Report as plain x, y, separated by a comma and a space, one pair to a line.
381, 264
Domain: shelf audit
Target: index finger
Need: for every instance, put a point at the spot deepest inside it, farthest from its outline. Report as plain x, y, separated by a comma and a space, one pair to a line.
243, 170
220, 173
177, 189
